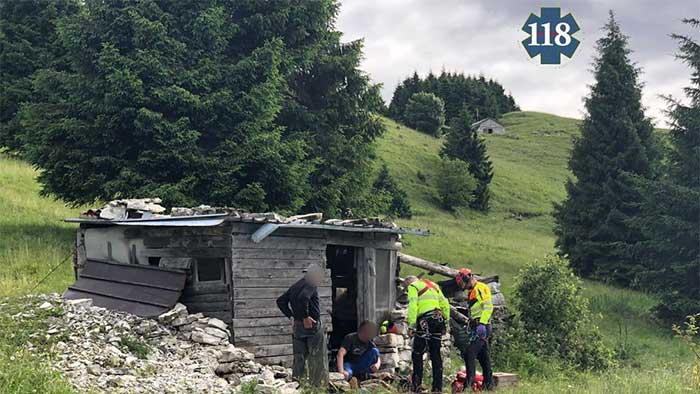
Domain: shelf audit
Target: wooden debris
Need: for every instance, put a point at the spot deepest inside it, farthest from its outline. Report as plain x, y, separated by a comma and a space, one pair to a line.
437, 268
504, 379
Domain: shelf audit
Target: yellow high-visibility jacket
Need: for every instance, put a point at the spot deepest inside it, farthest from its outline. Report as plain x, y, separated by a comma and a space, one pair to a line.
429, 300
480, 303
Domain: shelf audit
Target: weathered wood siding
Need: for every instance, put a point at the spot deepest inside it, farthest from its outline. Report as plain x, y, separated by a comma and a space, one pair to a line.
184, 245
261, 273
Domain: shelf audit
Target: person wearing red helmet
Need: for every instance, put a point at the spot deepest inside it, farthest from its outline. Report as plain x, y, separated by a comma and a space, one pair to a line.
480, 311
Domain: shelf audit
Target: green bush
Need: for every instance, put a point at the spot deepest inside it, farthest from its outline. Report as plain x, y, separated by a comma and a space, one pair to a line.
426, 112
455, 184
555, 316
389, 193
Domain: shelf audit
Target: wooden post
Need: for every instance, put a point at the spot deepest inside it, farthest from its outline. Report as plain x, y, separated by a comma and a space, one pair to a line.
80, 252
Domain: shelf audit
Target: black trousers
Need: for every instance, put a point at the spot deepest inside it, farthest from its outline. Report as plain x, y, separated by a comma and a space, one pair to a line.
479, 350
428, 337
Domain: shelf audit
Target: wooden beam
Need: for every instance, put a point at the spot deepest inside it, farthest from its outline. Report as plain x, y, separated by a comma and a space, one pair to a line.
437, 268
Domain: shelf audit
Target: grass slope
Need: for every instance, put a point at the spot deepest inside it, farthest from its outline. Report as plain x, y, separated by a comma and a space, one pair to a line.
530, 170
33, 237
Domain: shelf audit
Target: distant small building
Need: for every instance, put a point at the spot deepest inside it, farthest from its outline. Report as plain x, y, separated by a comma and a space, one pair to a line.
489, 126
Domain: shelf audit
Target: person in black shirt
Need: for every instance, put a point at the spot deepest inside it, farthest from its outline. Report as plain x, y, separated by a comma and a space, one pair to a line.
300, 304
358, 354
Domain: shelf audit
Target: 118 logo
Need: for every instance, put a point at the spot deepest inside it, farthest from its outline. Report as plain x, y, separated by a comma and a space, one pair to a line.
550, 35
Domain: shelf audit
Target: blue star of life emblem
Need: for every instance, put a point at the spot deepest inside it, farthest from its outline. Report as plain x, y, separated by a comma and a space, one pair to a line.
550, 35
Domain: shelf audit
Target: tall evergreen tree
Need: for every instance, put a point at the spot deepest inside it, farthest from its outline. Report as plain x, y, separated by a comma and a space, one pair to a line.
162, 99
464, 143
670, 208
328, 102
616, 138
28, 43
218, 101
402, 94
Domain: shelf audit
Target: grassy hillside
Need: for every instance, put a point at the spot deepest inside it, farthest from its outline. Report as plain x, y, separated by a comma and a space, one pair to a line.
529, 175
33, 238
530, 170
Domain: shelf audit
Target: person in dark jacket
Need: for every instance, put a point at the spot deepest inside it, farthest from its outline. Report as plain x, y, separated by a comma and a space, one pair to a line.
301, 305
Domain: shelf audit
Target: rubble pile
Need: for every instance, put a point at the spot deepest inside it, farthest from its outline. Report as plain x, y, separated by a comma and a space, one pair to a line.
150, 208
103, 351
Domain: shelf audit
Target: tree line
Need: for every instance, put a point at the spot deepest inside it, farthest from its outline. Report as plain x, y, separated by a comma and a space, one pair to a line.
483, 98
242, 103
632, 215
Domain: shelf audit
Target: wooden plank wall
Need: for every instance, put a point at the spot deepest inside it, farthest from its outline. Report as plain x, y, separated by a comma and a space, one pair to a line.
261, 273
211, 299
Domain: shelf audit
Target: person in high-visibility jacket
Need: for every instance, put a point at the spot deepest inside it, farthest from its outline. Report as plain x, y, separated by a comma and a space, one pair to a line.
428, 314
480, 311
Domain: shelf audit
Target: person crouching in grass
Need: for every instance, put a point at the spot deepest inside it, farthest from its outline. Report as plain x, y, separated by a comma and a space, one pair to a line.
358, 356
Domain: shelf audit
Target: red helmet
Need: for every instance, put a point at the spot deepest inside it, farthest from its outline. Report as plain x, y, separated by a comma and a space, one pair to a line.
463, 276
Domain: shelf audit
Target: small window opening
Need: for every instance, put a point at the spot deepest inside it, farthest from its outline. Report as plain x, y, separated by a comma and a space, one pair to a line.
153, 261
210, 270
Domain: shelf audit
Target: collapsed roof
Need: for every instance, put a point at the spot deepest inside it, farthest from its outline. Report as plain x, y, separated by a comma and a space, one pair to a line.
149, 212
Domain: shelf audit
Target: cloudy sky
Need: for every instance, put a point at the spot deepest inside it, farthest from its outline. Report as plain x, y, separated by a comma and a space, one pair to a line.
483, 36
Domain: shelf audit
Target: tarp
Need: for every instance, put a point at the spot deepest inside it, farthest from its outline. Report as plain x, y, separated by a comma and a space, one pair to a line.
138, 289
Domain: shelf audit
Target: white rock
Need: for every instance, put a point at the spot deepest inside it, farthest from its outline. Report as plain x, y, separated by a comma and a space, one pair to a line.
267, 376
80, 302
204, 338
214, 322
232, 353
178, 310
46, 305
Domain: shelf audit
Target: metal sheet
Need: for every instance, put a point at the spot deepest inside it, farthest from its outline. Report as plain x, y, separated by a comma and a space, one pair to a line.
163, 221
138, 289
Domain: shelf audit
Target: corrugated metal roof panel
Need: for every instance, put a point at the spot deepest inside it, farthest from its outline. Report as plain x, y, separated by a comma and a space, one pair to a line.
138, 289
162, 221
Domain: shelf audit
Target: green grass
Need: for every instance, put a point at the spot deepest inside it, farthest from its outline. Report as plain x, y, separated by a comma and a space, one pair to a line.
33, 237
530, 170
23, 370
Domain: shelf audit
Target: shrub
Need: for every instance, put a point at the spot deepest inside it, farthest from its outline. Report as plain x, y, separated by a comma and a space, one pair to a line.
690, 334
455, 184
555, 316
396, 199
426, 112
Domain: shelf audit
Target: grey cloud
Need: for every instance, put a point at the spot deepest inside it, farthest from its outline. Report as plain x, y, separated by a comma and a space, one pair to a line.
484, 37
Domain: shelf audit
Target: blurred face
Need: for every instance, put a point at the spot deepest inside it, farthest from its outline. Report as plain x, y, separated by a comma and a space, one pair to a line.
367, 333
472, 283
315, 278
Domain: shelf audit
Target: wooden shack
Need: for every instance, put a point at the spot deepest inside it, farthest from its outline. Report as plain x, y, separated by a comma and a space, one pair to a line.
234, 266
488, 126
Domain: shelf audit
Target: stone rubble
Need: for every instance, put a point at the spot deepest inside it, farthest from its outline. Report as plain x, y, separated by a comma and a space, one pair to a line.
103, 351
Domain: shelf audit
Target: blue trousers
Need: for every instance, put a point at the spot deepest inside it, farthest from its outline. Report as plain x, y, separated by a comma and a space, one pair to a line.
362, 364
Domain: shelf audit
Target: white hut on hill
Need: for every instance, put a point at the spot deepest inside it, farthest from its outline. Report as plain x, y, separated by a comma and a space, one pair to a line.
489, 126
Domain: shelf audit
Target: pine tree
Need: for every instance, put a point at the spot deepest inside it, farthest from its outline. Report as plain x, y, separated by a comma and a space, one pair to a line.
464, 143
402, 94
162, 100
616, 139
670, 208
399, 205
328, 102
28, 43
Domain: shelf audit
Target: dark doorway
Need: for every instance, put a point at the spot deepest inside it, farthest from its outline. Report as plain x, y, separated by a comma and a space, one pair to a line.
341, 261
